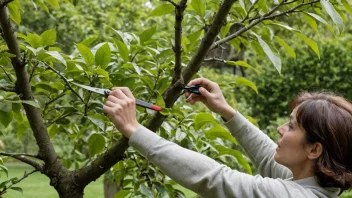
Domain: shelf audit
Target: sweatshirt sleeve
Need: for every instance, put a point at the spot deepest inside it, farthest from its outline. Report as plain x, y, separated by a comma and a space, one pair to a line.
259, 147
204, 175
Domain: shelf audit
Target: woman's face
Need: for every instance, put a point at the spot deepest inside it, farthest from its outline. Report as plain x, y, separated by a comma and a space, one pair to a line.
291, 151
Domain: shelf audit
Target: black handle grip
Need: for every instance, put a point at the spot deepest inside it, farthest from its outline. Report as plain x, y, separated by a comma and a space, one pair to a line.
193, 89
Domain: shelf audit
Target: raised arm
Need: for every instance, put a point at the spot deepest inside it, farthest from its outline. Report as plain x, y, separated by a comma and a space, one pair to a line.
260, 148
205, 176
197, 172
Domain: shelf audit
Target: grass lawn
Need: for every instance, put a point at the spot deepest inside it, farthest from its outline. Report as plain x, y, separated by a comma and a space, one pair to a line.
37, 185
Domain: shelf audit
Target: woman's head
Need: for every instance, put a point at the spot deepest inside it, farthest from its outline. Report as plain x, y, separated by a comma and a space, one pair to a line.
326, 119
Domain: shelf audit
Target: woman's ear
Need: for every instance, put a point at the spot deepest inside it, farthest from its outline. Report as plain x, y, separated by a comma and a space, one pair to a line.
314, 150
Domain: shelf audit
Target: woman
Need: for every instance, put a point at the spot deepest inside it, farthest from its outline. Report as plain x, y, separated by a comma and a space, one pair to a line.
312, 157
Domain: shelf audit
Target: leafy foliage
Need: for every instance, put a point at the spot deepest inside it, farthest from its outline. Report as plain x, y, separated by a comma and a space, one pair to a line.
132, 45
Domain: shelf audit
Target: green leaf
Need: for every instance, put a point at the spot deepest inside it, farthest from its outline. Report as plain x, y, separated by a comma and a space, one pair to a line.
4, 168
241, 63
103, 73
161, 10
219, 132
238, 155
49, 37
53, 3
347, 6
52, 130
148, 81
160, 101
57, 56
199, 7
15, 14
312, 44
98, 121
311, 22
246, 82
257, 48
34, 40
18, 189
5, 107
29, 102
42, 5
123, 50
145, 191
335, 16
147, 34
86, 54
274, 58
290, 51
103, 56
202, 119
5, 118
122, 193
96, 144
89, 40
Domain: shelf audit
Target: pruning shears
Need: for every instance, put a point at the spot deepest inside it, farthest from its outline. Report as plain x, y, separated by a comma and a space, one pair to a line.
106, 93
193, 89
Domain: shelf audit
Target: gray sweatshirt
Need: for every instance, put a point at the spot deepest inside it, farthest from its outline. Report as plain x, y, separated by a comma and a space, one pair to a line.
208, 178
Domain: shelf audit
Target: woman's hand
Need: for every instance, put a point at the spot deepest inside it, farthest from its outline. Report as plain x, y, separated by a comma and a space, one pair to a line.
212, 97
120, 107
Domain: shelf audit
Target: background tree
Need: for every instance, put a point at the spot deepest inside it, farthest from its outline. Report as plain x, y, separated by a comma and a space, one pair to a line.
37, 90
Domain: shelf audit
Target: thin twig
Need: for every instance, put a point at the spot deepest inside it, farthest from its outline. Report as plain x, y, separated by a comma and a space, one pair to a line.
8, 76
214, 59
22, 158
60, 118
259, 20
136, 54
53, 100
170, 1
17, 181
66, 81
32, 73
5, 2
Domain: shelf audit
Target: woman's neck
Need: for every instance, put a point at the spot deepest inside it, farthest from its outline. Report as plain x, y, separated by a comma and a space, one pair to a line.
302, 171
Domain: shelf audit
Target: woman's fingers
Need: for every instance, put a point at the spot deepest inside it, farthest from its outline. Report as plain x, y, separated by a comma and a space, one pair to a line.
193, 98
127, 92
200, 81
118, 94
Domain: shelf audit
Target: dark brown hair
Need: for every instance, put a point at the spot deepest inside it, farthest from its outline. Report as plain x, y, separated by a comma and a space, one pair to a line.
327, 119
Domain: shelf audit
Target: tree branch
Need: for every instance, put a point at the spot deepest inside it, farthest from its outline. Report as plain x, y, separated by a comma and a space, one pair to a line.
66, 81
90, 173
101, 164
260, 19
17, 181
53, 165
5, 2
22, 158
179, 9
